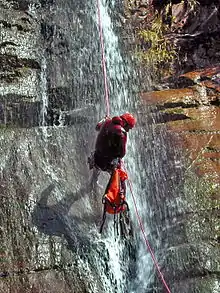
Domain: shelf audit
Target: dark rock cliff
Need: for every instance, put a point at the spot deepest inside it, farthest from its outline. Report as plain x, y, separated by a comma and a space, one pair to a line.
186, 105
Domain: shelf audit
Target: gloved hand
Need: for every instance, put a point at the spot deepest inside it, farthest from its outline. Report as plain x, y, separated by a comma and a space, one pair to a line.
116, 163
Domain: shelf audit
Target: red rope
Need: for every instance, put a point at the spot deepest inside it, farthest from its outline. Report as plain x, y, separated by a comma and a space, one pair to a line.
146, 241
103, 60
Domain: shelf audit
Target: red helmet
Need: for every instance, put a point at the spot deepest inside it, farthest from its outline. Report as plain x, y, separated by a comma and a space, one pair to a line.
129, 118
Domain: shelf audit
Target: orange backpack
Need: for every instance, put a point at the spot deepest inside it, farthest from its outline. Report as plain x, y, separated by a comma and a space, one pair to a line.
114, 199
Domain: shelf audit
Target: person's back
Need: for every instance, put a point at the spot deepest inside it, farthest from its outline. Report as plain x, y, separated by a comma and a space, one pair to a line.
111, 140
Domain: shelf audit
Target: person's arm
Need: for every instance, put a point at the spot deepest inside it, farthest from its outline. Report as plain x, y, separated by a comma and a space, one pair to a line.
122, 135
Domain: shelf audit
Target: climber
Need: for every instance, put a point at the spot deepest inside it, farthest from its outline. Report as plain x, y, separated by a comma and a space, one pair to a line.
110, 148
111, 141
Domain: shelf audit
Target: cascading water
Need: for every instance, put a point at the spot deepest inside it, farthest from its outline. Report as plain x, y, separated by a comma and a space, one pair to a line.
44, 97
123, 97
151, 158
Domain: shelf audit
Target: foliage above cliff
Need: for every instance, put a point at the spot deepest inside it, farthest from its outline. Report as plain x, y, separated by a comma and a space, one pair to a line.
158, 27
155, 49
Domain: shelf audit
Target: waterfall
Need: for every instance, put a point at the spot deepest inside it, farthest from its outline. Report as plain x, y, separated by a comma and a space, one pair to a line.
123, 97
52, 95
43, 87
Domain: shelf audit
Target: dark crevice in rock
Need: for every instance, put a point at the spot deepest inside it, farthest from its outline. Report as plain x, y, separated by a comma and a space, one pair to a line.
21, 5
46, 3
5, 24
168, 117
18, 26
15, 98
179, 82
8, 62
12, 68
215, 102
177, 105
6, 43
10, 76
212, 149
19, 114
5, 274
202, 131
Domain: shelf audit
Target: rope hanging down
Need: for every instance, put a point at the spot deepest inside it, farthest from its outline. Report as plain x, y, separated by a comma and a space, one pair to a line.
108, 114
146, 241
103, 60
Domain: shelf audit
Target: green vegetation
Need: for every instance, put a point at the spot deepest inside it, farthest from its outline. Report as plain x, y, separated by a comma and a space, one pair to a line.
158, 50
156, 47
192, 4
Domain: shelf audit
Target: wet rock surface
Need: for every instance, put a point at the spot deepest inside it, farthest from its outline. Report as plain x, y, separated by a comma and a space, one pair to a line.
186, 104
192, 116
20, 65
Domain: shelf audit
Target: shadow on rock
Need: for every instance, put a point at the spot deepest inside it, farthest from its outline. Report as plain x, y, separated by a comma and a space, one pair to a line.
58, 220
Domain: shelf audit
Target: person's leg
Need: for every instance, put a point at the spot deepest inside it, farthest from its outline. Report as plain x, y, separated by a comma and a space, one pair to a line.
103, 219
91, 161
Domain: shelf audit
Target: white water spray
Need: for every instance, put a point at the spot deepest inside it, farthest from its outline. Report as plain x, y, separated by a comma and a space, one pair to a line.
43, 86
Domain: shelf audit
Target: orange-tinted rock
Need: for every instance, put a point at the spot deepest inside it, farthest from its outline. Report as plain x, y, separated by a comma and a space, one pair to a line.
211, 84
206, 119
199, 135
209, 169
169, 96
208, 72
201, 138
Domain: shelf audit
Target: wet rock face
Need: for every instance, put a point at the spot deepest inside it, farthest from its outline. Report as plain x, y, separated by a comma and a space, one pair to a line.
20, 64
35, 53
196, 29
194, 112
191, 26
49, 76
191, 114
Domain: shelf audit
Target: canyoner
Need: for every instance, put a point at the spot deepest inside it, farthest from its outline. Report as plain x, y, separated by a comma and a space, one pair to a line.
110, 148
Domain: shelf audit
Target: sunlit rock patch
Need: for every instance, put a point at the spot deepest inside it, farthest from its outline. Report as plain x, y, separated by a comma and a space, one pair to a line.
193, 113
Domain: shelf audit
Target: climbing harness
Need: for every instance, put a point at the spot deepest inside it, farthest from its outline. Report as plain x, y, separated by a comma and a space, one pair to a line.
130, 185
